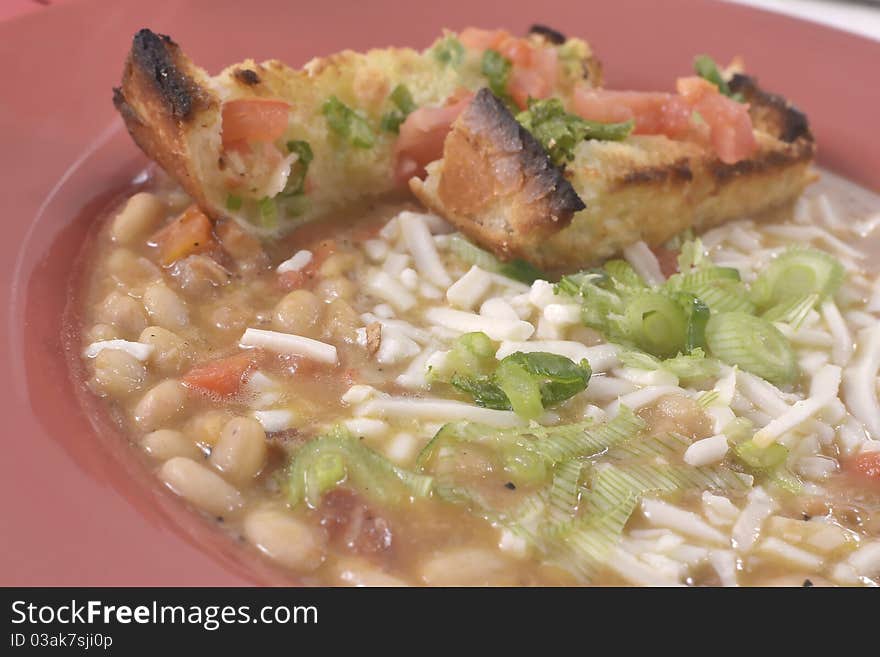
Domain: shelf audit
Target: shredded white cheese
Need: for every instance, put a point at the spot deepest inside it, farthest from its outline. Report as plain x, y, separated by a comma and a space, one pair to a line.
297, 262
380, 284
788, 555
823, 391
367, 427
601, 357
287, 343
860, 380
421, 245
747, 528
842, 348
565, 314
470, 289
643, 260
436, 409
138, 350
706, 451
464, 322
639, 398
666, 515
275, 419
499, 309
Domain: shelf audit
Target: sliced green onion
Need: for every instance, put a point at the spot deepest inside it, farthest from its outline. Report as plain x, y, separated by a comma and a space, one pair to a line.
558, 377
268, 212
693, 366
233, 203
560, 132
518, 270
623, 275
761, 457
708, 398
739, 430
753, 344
768, 463
522, 271
724, 296
449, 51
348, 124
702, 276
524, 467
697, 317
402, 99
707, 69
521, 388
796, 273
587, 439
792, 312
297, 178
564, 492
657, 324
484, 391
496, 67
327, 461
525, 383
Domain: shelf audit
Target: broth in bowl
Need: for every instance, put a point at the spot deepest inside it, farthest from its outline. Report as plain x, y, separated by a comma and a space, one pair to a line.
374, 400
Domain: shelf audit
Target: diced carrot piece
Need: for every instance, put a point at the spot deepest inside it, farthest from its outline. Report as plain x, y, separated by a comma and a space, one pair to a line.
189, 233
223, 376
253, 120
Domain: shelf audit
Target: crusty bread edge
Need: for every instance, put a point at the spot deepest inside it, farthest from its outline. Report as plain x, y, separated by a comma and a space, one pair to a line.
164, 99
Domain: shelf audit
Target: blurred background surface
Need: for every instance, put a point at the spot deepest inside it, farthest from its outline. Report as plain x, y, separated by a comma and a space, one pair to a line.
858, 16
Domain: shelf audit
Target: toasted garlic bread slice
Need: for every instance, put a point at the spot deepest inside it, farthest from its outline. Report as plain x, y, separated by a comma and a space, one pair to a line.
220, 136
643, 188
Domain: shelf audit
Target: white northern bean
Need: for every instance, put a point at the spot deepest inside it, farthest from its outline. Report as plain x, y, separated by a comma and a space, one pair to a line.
139, 216
165, 307
285, 539
159, 404
241, 451
200, 486
165, 444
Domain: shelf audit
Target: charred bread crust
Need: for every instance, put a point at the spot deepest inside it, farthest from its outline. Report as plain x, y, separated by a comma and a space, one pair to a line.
553, 36
771, 112
161, 99
645, 188
497, 180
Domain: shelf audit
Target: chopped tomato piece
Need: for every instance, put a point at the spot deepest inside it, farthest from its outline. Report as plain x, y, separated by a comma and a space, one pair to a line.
189, 233
729, 122
524, 83
697, 113
866, 465
249, 120
518, 51
477, 39
223, 376
546, 62
422, 135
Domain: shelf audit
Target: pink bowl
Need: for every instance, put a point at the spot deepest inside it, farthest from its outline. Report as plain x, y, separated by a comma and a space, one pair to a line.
77, 506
